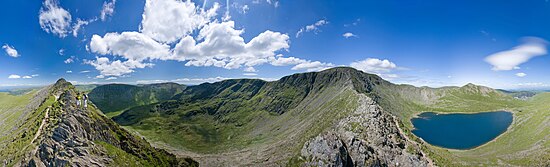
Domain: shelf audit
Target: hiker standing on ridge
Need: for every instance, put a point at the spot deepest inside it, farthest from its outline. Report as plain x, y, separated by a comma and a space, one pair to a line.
85, 97
78, 99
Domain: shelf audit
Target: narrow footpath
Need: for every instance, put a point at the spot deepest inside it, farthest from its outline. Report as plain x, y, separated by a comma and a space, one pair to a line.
42, 125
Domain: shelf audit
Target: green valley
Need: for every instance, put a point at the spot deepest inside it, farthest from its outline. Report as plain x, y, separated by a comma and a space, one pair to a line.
217, 123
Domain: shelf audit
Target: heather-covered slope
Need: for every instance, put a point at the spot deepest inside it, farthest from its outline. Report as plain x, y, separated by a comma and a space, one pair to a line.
59, 133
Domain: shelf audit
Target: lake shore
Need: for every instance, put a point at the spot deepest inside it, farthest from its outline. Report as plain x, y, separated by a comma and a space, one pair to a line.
418, 116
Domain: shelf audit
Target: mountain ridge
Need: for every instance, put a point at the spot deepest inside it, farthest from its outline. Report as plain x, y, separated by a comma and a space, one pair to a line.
122, 96
217, 123
70, 134
213, 118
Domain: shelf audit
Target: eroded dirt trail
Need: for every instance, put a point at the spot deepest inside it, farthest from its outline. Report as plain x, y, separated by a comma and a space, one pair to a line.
44, 122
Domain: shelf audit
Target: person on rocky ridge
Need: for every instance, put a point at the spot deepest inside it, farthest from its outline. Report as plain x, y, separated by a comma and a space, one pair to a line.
78, 99
85, 98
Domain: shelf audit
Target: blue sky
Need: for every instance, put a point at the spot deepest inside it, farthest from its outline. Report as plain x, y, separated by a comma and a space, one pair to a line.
420, 42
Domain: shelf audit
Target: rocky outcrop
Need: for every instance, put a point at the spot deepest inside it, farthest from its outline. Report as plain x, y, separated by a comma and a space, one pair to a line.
368, 137
327, 150
70, 142
78, 136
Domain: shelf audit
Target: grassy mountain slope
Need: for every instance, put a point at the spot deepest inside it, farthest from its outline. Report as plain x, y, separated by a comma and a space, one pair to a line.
222, 122
113, 98
12, 108
19, 121
56, 132
232, 115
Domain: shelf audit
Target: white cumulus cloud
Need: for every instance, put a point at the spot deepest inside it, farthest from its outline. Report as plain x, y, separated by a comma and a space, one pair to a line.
511, 59
312, 66
169, 20
223, 46
10, 50
130, 45
174, 30
374, 65
54, 19
117, 67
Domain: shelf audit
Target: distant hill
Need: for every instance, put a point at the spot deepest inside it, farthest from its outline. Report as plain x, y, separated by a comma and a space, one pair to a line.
117, 97
86, 88
521, 94
53, 131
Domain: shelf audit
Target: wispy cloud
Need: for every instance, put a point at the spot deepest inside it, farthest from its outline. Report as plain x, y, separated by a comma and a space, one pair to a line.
10, 50
511, 59
355, 23
107, 10
195, 81
313, 27
521, 74
13, 76
349, 34
250, 74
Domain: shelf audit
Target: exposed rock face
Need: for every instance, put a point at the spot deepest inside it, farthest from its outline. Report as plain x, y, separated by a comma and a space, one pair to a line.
368, 137
327, 150
71, 141
73, 136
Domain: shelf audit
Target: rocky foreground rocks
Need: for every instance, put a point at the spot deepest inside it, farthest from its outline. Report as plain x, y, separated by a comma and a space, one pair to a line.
368, 137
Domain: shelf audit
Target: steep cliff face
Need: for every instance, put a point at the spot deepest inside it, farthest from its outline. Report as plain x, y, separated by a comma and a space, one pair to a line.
367, 137
74, 135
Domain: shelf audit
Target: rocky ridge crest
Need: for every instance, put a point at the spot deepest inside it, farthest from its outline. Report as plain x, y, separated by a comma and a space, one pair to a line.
72, 135
368, 137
